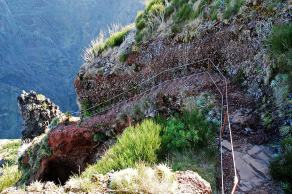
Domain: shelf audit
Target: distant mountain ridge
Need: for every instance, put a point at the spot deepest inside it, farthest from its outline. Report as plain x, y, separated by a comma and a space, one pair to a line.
41, 43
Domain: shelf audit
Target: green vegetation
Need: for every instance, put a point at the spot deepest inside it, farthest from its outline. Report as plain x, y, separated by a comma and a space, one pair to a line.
10, 176
202, 161
239, 77
54, 123
39, 151
183, 141
281, 167
115, 39
280, 43
99, 137
36, 152
140, 21
214, 9
139, 143
184, 13
123, 57
280, 86
188, 130
85, 108
180, 12
142, 179
148, 21
286, 131
9, 151
267, 120
188, 143
232, 7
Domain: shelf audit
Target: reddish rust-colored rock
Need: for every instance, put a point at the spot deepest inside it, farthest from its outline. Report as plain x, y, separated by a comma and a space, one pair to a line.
72, 149
71, 141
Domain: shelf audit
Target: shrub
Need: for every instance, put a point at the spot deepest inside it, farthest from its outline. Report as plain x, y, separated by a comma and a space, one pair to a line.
189, 130
114, 40
54, 123
214, 9
232, 7
99, 137
285, 131
140, 35
153, 3
178, 3
267, 120
140, 21
148, 20
184, 13
280, 91
157, 9
280, 43
169, 11
85, 108
280, 40
123, 57
203, 161
139, 143
38, 150
281, 167
10, 176
199, 9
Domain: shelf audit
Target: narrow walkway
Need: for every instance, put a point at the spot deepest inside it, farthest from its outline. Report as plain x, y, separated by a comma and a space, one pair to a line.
252, 163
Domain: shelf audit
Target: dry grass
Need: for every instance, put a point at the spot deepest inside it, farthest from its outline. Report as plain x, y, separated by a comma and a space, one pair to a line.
10, 176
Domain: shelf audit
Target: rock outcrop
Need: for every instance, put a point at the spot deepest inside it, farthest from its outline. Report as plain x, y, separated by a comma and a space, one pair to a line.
191, 182
60, 153
37, 112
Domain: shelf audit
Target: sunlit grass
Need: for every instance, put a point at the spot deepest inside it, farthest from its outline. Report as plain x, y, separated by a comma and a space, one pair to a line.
136, 144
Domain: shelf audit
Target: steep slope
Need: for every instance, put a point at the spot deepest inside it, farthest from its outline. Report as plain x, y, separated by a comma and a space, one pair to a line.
211, 57
40, 48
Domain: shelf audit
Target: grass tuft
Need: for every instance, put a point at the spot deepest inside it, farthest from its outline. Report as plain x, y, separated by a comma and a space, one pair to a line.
139, 143
280, 43
10, 176
232, 7
9, 152
100, 44
9, 173
143, 179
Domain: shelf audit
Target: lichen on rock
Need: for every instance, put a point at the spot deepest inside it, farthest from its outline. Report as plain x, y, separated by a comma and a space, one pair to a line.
37, 112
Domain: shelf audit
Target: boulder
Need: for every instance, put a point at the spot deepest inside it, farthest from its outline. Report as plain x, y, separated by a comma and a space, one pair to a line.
192, 182
37, 113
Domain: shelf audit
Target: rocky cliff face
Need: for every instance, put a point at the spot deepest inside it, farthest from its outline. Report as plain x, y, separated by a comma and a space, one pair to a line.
41, 44
236, 45
37, 112
129, 81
